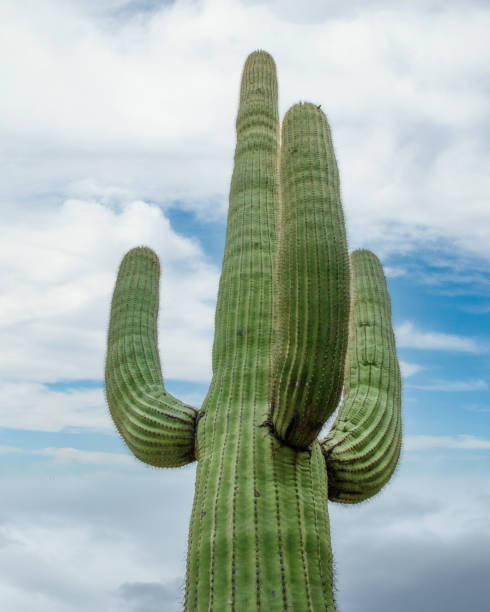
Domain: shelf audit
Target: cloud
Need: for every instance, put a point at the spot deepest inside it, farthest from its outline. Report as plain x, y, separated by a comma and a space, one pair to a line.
416, 546
5, 450
153, 596
33, 406
408, 336
417, 443
68, 455
317, 11
74, 455
59, 270
409, 369
148, 106
123, 531
129, 530
394, 271
453, 385
477, 408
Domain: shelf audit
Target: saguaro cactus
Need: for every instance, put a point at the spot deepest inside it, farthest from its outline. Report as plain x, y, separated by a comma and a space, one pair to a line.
288, 339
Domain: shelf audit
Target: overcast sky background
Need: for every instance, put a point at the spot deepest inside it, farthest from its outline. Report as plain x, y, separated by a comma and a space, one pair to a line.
117, 129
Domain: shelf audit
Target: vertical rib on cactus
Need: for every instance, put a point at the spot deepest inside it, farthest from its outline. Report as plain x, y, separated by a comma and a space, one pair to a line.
259, 535
363, 446
312, 297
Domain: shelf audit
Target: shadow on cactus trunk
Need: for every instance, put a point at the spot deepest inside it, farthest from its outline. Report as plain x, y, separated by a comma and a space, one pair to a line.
297, 321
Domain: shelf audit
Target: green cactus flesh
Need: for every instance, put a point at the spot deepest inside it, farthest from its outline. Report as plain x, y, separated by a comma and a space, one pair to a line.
288, 339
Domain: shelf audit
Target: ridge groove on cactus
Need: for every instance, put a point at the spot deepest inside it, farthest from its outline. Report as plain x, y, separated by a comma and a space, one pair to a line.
297, 322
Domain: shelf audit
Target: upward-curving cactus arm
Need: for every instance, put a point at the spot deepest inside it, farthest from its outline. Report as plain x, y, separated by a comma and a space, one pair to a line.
312, 295
158, 428
363, 446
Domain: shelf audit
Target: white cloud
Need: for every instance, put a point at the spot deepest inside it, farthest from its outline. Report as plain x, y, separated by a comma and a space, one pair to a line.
416, 546
417, 443
75, 455
148, 106
136, 525
407, 335
111, 525
453, 385
6, 450
477, 408
409, 369
153, 596
59, 270
394, 271
32, 406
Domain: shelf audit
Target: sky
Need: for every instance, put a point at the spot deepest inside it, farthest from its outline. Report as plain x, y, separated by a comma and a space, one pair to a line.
117, 130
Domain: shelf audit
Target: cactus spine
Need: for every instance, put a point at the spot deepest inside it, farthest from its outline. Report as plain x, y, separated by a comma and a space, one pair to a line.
288, 339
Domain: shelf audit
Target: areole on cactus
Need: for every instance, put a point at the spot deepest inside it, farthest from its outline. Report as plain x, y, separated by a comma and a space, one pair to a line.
297, 321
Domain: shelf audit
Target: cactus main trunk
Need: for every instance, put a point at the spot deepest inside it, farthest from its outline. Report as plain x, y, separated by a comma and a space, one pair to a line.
259, 533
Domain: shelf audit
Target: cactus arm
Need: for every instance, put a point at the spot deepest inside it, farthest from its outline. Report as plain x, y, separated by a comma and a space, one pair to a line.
312, 285
158, 428
363, 446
